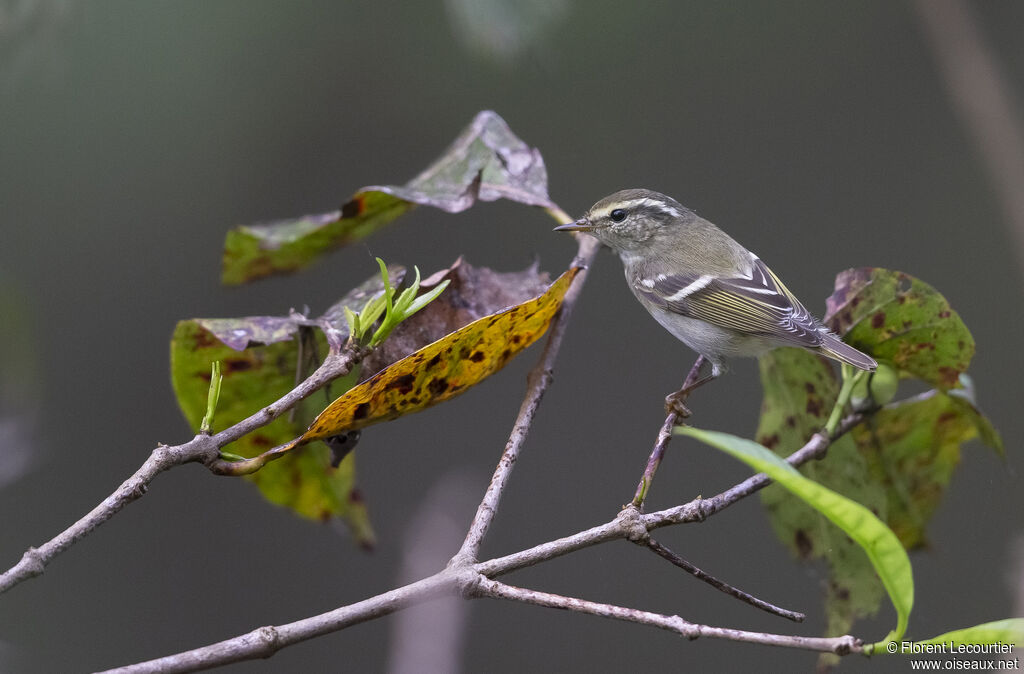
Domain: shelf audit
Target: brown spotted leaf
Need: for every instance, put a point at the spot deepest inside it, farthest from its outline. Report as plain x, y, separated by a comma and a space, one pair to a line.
800, 389
472, 293
444, 368
253, 378
898, 464
912, 448
240, 333
486, 162
900, 319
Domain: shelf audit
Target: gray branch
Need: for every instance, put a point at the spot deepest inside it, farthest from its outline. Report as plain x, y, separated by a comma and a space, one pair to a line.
477, 580
202, 448
537, 384
463, 574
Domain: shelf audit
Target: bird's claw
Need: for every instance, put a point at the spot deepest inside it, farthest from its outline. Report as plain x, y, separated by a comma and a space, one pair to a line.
674, 404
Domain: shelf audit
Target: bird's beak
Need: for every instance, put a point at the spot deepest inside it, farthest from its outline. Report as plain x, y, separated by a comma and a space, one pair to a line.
581, 225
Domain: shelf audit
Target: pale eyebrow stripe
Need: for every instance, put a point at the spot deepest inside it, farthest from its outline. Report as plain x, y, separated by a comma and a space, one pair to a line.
660, 205
645, 201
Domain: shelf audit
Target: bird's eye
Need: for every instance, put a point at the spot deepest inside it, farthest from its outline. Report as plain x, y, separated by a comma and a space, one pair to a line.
618, 215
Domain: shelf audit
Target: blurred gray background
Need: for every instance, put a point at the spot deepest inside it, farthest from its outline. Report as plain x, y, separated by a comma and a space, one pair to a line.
133, 135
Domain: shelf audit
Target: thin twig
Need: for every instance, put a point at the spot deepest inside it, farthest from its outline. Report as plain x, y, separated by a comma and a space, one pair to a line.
633, 524
697, 573
498, 590
461, 576
34, 561
700, 509
537, 383
265, 641
664, 437
202, 448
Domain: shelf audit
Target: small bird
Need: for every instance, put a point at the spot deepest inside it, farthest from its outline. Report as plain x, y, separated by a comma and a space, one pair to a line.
713, 294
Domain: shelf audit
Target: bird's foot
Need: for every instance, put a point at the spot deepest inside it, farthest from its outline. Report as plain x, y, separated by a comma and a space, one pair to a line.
675, 403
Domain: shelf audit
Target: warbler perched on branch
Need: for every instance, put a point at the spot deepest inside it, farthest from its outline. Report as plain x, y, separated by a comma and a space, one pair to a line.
713, 294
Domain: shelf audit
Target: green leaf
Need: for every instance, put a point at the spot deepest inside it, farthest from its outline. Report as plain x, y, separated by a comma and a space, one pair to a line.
1009, 632
880, 544
898, 318
898, 464
912, 448
253, 378
800, 389
486, 162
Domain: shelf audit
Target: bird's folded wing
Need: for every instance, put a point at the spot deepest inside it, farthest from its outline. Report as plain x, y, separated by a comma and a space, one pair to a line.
759, 305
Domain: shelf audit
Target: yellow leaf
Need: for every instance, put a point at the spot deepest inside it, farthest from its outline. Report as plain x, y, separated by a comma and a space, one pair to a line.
443, 369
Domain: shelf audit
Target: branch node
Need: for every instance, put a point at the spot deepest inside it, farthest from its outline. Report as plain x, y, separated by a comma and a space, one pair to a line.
847, 644
33, 561
632, 525
269, 640
703, 509
468, 582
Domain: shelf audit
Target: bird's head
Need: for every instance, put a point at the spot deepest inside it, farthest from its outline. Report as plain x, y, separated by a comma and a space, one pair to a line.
627, 220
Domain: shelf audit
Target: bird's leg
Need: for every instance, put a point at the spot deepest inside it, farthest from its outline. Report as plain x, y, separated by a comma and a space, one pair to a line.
676, 402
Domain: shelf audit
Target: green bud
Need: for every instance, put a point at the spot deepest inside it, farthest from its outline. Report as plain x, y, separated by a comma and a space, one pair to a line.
875, 389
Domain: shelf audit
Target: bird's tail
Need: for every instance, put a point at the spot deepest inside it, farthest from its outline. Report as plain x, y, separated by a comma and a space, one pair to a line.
833, 347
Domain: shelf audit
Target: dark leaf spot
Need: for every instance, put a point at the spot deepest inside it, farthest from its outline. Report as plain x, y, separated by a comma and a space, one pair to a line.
791, 421
437, 386
434, 361
361, 411
809, 387
203, 339
506, 354
237, 365
878, 320
403, 383
477, 356
771, 441
352, 208
804, 546
945, 313
814, 407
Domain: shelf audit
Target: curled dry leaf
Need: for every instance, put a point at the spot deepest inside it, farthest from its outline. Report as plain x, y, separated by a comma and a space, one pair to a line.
486, 162
259, 355
444, 368
472, 293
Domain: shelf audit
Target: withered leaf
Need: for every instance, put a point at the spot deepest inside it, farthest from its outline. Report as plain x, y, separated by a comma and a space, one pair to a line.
486, 162
444, 368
